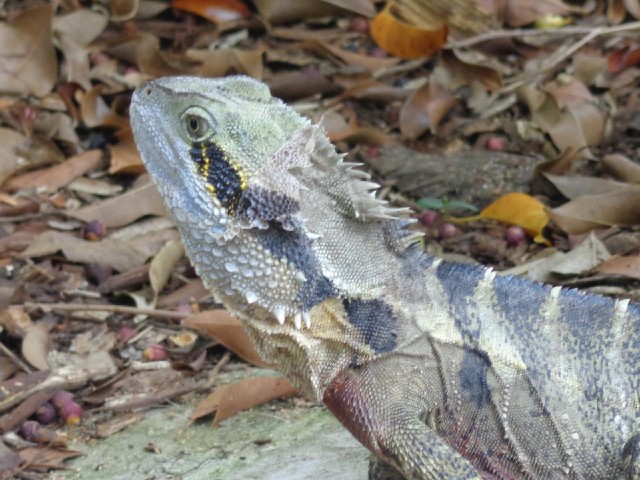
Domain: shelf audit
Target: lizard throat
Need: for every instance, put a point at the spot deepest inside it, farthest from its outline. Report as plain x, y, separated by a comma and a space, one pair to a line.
223, 178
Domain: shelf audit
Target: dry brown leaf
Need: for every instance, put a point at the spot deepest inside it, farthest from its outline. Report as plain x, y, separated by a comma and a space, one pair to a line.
589, 212
350, 58
285, 11
82, 25
10, 140
424, 110
29, 63
125, 208
221, 62
120, 256
45, 458
574, 186
621, 167
366, 8
163, 264
227, 330
95, 112
627, 266
523, 12
584, 257
125, 158
35, 346
633, 7
228, 400
52, 178
15, 320
216, 11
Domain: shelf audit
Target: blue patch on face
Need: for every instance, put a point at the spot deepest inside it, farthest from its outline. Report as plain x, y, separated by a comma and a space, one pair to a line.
376, 321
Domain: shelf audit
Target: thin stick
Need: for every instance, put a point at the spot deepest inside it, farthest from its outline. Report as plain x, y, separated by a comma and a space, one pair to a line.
91, 307
534, 32
12, 356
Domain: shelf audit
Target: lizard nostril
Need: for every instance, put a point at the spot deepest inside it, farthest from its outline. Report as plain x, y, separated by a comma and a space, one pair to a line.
148, 91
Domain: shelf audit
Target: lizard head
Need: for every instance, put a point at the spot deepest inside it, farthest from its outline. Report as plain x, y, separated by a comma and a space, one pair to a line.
216, 133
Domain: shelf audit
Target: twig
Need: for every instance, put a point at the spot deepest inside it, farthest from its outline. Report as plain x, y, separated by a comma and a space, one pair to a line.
534, 32
12, 356
92, 307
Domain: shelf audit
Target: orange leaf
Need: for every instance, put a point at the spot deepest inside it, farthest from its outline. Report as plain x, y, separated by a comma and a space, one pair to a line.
216, 11
228, 400
519, 209
227, 330
404, 40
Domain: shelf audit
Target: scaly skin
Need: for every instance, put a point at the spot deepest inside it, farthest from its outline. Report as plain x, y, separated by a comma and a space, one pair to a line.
441, 370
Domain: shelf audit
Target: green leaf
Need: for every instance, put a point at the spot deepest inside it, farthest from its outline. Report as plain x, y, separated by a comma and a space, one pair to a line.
455, 204
432, 203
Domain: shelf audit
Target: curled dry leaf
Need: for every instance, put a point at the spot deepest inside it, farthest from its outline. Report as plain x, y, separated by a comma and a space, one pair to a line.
627, 266
216, 11
621, 167
406, 40
163, 264
57, 176
228, 400
227, 330
35, 346
125, 158
573, 186
589, 212
10, 141
424, 110
220, 62
29, 63
124, 209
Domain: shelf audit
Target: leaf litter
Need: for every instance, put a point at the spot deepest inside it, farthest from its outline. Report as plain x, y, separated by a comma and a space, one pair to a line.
525, 112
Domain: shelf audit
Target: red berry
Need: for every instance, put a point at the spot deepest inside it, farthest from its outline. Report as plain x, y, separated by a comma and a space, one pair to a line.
448, 230
359, 25
515, 235
125, 333
428, 217
45, 413
495, 143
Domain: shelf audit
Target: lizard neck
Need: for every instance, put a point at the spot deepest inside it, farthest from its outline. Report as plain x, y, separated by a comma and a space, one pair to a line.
311, 358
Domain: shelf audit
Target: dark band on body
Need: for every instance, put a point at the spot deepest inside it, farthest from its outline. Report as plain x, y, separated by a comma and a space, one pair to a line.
222, 177
375, 320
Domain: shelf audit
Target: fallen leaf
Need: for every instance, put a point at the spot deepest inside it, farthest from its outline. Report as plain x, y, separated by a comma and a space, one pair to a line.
163, 264
82, 25
628, 266
118, 255
424, 109
29, 63
406, 40
228, 400
45, 458
366, 8
125, 158
224, 61
35, 346
227, 330
10, 141
216, 11
589, 253
523, 12
123, 209
589, 212
574, 186
367, 62
52, 178
519, 209
95, 112
633, 7
278, 12
621, 168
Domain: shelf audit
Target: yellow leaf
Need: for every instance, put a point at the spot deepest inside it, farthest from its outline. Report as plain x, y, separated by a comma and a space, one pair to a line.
519, 209
405, 40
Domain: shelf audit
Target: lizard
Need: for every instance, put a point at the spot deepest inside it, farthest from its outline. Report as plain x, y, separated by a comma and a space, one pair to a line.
442, 370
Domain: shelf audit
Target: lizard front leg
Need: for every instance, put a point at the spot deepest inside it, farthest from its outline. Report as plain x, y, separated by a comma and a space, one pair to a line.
387, 425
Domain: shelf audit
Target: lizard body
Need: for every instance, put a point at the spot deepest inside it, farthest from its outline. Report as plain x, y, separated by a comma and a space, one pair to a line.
442, 370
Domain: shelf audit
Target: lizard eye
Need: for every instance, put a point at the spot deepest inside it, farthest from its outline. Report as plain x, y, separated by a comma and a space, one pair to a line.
197, 126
